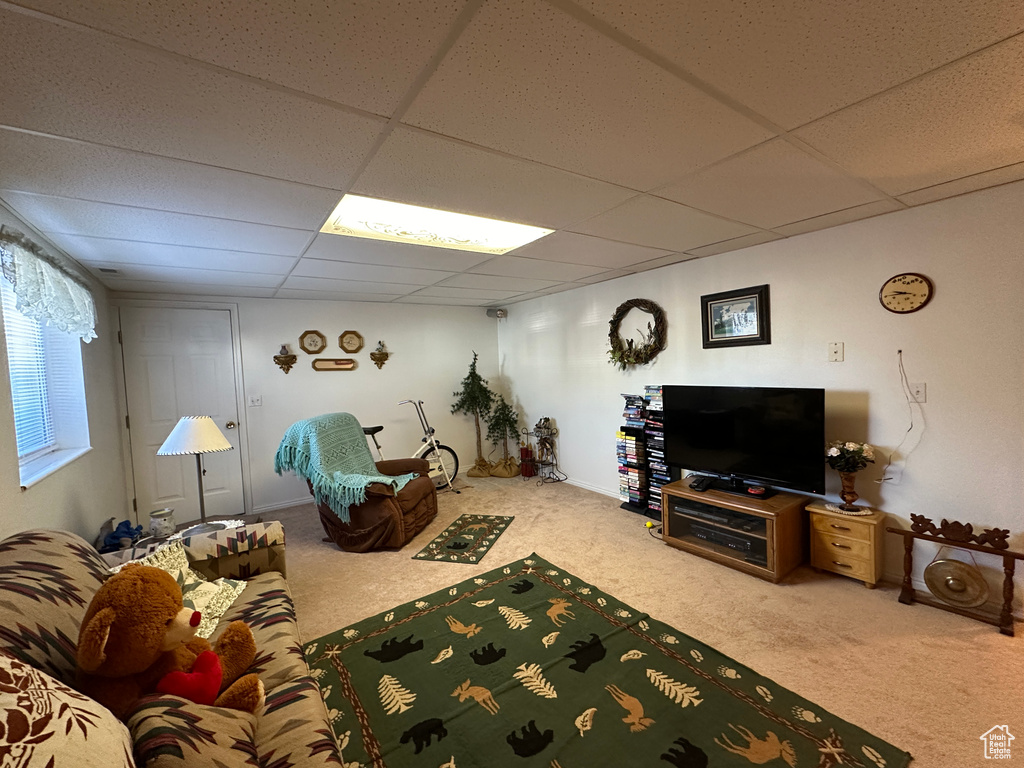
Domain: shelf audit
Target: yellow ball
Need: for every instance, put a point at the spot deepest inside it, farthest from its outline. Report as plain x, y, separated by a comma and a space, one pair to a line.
649, 524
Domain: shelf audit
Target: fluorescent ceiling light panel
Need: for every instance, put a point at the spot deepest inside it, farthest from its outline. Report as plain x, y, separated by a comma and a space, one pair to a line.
358, 216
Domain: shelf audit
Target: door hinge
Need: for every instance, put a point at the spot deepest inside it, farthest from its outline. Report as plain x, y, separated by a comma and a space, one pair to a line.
127, 423
135, 505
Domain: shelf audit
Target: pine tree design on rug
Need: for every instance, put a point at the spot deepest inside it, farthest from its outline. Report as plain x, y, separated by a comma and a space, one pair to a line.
635, 691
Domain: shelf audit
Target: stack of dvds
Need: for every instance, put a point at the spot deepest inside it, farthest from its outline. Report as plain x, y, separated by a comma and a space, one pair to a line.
654, 442
631, 455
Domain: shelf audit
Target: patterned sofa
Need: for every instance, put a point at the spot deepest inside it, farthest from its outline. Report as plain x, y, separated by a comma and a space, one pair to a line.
47, 579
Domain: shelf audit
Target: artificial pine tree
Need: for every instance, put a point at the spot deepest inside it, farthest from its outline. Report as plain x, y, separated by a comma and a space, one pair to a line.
502, 425
475, 399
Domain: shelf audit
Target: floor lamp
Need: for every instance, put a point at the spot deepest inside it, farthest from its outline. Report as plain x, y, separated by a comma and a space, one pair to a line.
196, 435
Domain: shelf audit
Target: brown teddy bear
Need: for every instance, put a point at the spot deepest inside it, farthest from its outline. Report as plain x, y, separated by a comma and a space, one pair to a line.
137, 638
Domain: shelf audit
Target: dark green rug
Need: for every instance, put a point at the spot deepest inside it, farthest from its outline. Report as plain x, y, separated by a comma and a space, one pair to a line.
466, 540
528, 666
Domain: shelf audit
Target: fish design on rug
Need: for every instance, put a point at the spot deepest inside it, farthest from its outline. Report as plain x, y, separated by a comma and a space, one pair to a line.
394, 649
586, 653
530, 741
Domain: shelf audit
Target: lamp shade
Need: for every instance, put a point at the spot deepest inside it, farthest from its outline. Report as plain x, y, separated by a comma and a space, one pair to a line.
194, 435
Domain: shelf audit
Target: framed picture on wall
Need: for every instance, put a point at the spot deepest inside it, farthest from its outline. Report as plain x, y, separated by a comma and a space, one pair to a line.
736, 318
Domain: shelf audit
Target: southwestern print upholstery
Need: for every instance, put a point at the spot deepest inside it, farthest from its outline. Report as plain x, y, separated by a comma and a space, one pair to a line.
41, 718
48, 578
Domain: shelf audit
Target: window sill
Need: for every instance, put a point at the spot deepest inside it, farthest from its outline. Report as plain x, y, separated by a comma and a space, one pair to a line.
37, 469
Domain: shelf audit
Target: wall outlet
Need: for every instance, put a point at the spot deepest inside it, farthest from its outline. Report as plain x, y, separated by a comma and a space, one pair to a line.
255, 401
919, 393
835, 352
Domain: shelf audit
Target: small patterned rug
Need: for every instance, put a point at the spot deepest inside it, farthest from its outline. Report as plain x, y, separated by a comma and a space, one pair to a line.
466, 540
526, 665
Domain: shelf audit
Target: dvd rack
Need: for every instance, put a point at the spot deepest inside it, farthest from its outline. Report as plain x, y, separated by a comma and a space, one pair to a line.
654, 444
632, 457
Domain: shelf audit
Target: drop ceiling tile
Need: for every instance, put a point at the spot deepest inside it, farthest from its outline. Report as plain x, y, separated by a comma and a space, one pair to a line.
292, 293
418, 299
365, 54
361, 250
767, 186
465, 293
121, 94
186, 276
54, 215
602, 276
658, 223
798, 60
494, 283
328, 285
514, 266
978, 181
52, 166
955, 122
734, 245
424, 169
188, 289
574, 248
839, 217
664, 261
530, 80
88, 250
343, 270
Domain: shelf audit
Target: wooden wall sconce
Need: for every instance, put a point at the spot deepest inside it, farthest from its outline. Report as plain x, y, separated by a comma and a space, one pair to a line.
380, 355
285, 359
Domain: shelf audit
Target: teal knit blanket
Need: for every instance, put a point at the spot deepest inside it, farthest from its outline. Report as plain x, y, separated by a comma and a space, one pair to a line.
330, 451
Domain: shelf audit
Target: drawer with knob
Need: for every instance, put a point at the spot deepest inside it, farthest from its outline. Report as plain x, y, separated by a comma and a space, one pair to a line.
845, 544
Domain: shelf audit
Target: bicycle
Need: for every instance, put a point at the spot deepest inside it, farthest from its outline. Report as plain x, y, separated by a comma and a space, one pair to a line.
444, 462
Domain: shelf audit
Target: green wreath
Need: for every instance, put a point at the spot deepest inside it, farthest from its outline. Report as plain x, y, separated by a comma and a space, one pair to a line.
625, 353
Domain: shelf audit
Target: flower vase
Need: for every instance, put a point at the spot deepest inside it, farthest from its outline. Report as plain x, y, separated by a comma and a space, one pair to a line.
848, 495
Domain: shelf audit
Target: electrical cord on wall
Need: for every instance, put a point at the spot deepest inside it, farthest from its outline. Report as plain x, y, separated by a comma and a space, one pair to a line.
908, 396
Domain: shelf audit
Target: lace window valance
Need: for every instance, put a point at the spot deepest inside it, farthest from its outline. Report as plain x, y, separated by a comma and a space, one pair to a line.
45, 290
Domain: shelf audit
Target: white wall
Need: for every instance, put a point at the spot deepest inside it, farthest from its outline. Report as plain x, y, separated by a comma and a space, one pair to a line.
965, 456
431, 349
80, 496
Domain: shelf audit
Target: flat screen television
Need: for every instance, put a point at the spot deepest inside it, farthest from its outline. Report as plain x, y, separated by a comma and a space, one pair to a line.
769, 436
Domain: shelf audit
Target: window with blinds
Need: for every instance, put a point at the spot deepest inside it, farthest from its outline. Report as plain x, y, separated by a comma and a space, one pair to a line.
47, 391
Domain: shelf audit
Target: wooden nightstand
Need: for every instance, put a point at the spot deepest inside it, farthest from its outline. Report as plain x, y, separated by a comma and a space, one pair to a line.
847, 545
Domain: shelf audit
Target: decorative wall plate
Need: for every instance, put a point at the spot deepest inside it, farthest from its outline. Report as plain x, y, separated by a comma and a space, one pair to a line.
312, 342
334, 364
350, 341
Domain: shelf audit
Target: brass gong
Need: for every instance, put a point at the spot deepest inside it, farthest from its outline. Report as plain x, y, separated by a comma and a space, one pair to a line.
956, 583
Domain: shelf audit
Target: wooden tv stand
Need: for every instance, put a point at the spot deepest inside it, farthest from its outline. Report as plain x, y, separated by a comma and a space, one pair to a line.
763, 537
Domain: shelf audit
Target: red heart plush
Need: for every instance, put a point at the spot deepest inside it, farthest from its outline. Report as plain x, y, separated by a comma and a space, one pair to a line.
201, 685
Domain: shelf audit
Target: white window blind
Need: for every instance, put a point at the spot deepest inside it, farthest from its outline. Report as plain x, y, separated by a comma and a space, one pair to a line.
46, 316
26, 356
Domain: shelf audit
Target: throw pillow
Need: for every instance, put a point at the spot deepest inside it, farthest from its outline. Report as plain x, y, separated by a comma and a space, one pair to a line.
44, 722
210, 598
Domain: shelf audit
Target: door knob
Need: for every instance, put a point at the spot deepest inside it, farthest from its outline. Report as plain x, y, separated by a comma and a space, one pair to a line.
230, 425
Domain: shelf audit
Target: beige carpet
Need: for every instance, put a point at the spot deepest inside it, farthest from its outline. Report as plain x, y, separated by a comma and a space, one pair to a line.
923, 679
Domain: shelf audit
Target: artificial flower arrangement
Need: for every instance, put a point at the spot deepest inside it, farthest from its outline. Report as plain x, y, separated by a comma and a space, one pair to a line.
845, 456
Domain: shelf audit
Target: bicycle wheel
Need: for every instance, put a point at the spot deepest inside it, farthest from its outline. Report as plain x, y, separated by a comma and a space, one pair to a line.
442, 460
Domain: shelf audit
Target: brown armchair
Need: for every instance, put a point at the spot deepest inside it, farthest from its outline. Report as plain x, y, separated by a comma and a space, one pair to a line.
386, 520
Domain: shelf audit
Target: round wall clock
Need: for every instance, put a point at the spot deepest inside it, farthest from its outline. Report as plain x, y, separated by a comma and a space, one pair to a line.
351, 341
906, 292
312, 342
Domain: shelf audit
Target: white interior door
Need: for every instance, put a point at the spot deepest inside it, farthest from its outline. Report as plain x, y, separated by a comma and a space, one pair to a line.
179, 362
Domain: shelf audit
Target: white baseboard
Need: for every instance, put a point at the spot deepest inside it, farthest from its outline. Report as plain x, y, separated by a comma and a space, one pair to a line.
282, 505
